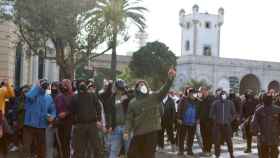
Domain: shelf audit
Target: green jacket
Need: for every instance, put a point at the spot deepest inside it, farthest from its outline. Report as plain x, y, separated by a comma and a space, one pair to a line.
144, 112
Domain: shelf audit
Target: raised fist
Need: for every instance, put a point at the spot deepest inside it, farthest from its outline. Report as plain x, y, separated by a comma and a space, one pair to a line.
171, 73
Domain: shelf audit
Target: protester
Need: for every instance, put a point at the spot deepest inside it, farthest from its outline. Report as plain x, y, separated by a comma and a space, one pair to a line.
6, 91
39, 113
168, 120
64, 120
248, 109
119, 115
237, 103
222, 113
143, 118
18, 114
86, 110
188, 116
51, 130
206, 124
265, 124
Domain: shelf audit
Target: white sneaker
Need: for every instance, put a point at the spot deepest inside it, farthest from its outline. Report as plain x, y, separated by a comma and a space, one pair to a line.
14, 148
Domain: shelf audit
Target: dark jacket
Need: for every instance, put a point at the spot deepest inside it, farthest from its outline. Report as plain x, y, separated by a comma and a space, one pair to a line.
85, 108
248, 108
107, 99
222, 112
265, 124
143, 114
204, 108
168, 111
119, 111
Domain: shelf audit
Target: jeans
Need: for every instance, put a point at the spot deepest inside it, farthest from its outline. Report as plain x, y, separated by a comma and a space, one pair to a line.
117, 142
50, 137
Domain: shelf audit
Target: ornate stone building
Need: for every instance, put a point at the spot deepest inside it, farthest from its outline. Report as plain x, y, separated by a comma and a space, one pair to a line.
200, 58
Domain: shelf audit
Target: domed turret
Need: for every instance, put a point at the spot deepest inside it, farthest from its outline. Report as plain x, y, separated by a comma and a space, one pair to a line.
221, 11
182, 12
195, 8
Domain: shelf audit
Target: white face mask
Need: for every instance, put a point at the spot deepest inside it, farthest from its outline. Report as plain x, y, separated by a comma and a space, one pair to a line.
143, 89
199, 95
224, 97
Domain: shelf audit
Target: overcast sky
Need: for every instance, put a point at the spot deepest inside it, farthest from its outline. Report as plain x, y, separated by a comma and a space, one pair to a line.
251, 29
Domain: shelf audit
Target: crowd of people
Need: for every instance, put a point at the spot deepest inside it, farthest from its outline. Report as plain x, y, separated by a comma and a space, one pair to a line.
72, 119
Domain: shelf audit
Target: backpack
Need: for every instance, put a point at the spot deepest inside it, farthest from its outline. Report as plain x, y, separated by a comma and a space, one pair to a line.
190, 115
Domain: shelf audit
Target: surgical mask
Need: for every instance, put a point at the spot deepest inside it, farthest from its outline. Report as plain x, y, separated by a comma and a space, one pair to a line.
224, 97
143, 89
54, 91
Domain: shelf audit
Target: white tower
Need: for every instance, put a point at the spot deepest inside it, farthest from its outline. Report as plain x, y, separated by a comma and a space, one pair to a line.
201, 32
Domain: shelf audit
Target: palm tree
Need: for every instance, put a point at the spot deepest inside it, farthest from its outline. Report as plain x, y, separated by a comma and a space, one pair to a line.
116, 16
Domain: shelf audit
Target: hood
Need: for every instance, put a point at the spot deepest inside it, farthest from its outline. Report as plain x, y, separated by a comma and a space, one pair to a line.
137, 94
67, 83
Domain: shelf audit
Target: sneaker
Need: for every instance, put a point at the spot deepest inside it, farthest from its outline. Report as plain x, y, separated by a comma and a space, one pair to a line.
207, 154
14, 148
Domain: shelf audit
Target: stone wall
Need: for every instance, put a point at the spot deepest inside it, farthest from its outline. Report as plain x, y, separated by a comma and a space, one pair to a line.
215, 69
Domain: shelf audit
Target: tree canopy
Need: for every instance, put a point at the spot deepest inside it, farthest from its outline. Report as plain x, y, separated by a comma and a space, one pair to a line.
152, 63
63, 23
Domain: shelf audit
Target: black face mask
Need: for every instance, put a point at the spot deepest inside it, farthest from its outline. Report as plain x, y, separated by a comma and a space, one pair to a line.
44, 86
64, 89
267, 100
54, 91
83, 88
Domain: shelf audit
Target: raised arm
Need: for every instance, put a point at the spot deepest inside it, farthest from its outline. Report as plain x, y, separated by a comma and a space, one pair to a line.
164, 90
33, 92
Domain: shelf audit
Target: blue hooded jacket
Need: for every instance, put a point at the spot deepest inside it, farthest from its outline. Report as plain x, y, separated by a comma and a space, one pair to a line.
39, 105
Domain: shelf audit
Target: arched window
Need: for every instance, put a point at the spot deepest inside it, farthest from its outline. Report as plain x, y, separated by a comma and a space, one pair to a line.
207, 25
207, 51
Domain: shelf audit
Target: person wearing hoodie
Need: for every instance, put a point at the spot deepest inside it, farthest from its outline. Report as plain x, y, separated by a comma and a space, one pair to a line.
206, 123
168, 119
64, 121
143, 118
265, 124
85, 109
39, 114
51, 130
222, 113
248, 109
119, 114
6, 91
187, 117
